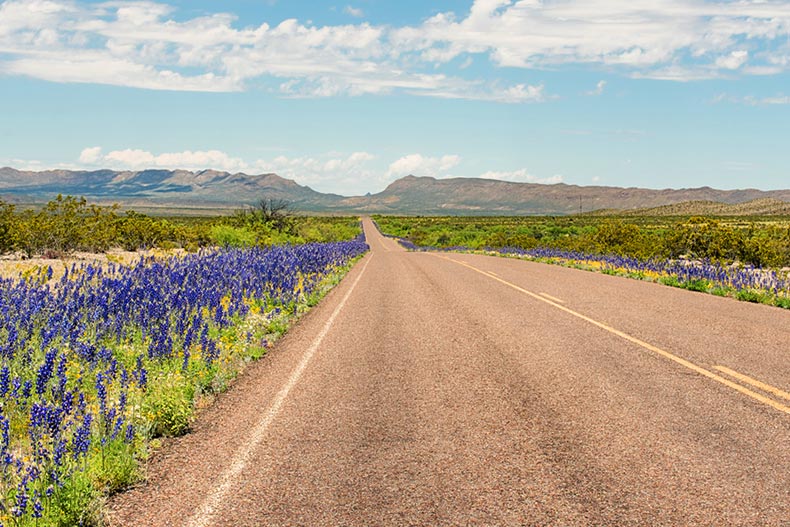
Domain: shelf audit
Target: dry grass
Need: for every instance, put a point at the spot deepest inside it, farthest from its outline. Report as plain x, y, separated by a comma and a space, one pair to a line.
15, 266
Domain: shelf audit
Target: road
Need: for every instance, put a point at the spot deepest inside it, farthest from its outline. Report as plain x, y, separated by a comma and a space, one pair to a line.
454, 389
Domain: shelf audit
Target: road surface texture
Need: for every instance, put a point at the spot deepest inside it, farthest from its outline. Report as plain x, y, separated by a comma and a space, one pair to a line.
454, 389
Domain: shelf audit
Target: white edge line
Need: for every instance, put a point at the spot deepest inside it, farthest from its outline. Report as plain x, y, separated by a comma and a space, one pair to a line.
207, 510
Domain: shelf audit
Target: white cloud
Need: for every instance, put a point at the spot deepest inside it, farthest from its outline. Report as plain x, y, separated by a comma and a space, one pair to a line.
90, 155
151, 45
200, 159
521, 93
329, 173
676, 36
751, 100
598, 89
131, 159
136, 159
419, 165
139, 44
460, 89
779, 99
522, 176
354, 11
733, 61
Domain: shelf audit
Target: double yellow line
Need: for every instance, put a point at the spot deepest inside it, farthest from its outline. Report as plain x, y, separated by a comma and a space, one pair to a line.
658, 351
773, 390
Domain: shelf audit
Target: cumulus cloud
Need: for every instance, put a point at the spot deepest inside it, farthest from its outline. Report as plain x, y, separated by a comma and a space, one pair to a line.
419, 165
522, 176
90, 155
137, 159
330, 172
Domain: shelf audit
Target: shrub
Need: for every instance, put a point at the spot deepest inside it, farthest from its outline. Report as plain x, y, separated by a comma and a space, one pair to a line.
228, 236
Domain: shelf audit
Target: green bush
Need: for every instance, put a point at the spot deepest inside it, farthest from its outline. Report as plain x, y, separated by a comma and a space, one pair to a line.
69, 224
754, 241
228, 236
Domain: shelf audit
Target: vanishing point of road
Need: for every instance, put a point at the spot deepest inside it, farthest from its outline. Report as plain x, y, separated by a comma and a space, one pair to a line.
453, 389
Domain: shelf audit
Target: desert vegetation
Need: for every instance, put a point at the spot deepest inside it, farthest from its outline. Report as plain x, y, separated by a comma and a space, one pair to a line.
756, 241
746, 258
100, 361
69, 224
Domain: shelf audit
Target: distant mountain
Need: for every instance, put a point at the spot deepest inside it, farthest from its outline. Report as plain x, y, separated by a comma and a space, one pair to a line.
206, 188
426, 195
209, 189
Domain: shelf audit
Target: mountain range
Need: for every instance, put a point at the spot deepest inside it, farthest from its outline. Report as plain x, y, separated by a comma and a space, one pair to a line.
211, 189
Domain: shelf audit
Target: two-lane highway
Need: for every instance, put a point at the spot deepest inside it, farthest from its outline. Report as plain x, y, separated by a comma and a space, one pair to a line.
455, 389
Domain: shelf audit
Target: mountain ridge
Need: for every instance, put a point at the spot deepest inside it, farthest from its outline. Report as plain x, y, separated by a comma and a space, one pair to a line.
408, 195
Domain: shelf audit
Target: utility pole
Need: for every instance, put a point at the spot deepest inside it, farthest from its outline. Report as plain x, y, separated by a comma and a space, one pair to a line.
580, 204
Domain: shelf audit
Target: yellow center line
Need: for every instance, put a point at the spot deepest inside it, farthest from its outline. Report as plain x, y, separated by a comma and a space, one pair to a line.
553, 298
754, 382
658, 351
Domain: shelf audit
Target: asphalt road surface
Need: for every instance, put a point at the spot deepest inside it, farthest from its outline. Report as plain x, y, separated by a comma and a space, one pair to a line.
453, 389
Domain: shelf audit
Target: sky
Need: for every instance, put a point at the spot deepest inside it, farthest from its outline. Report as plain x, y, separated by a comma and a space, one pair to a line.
348, 97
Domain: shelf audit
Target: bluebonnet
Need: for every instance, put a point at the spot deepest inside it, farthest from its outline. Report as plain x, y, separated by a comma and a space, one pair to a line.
716, 274
45, 371
58, 340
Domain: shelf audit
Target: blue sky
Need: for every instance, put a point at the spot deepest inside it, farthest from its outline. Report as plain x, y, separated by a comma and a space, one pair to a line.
347, 97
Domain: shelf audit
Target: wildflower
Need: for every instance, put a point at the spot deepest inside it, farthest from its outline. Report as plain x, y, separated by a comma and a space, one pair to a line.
45, 371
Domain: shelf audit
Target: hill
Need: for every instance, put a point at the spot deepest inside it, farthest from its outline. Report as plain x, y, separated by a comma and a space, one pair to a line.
159, 188
210, 189
470, 196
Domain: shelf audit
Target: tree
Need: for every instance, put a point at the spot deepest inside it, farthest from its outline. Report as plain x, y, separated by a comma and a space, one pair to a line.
267, 214
276, 212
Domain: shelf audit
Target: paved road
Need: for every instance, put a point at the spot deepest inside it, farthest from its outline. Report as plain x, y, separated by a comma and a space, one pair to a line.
470, 390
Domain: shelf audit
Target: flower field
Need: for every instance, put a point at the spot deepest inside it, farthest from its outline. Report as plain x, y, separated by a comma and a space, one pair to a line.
97, 363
